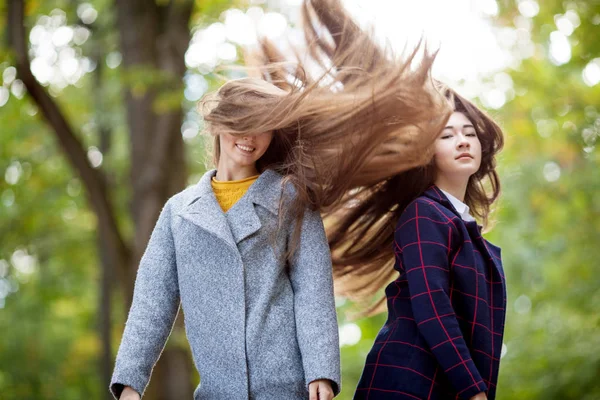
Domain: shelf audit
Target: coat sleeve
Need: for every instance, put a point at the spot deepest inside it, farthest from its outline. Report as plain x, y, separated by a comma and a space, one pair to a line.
314, 304
152, 313
427, 239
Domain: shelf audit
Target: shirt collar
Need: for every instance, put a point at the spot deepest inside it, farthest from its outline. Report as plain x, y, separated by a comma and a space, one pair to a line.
462, 208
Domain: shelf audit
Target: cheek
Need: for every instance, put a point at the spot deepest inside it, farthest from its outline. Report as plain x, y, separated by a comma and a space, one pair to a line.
226, 141
477, 149
442, 153
440, 162
265, 141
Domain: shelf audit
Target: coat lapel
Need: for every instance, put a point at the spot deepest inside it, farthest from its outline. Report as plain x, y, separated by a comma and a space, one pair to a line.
241, 221
265, 192
204, 211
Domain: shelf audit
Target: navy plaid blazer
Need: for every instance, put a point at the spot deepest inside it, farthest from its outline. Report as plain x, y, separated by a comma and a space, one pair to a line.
443, 335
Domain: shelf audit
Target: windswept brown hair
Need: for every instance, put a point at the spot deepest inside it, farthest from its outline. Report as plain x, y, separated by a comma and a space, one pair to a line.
355, 138
363, 117
361, 231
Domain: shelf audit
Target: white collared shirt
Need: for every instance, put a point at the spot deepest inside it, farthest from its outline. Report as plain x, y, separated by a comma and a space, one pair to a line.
462, 208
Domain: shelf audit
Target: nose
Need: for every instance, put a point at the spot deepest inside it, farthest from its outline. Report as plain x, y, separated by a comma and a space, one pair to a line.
462, 142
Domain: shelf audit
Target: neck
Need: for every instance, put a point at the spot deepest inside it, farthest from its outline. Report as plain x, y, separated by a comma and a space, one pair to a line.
227, 171
456, 187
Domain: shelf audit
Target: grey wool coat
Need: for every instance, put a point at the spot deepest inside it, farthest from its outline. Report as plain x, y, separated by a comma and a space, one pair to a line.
259, 327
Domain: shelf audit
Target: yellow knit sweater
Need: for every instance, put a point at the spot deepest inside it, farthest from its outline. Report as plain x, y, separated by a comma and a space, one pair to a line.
229, 192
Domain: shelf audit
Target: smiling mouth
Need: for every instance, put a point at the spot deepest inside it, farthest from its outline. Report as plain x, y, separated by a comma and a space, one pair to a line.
245, 149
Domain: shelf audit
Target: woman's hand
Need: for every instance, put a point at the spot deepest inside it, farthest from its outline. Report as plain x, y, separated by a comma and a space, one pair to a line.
129, 394
479, 396
320, 390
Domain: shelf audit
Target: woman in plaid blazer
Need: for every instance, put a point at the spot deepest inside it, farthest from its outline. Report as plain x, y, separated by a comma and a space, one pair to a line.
443, 336
446, 308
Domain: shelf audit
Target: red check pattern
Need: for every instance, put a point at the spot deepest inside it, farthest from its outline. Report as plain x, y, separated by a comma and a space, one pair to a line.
446, 310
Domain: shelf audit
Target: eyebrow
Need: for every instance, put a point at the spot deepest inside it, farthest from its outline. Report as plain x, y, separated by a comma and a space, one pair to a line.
464, 126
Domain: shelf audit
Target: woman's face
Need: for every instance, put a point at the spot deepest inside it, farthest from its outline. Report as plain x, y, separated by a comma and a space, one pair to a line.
243, 151
457, 149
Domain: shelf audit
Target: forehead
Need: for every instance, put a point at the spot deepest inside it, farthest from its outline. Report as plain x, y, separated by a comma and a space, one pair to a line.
458, 119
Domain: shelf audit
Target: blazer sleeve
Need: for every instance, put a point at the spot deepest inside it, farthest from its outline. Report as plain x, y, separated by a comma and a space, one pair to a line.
153, 311
427, 239
314, 305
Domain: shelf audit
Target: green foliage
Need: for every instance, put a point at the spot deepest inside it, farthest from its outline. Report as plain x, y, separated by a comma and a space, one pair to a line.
49, 341
550, 218
208, 11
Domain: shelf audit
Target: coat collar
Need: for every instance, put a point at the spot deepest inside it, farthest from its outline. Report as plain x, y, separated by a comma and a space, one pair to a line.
241, 221
434, 193
462, 208
437, 194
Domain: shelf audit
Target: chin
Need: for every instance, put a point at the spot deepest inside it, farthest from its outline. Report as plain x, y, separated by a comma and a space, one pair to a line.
246, 163
466, 169
461, 173
467, 173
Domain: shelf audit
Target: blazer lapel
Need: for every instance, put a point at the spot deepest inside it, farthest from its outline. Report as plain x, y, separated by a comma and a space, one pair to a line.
204, 211
493, 254
434, 193
489, 251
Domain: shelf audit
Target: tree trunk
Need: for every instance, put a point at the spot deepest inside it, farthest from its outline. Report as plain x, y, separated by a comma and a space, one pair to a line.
155, 38
104, 321
106, 276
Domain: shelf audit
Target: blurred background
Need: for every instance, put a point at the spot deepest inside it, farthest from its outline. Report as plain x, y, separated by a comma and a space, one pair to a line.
98, 128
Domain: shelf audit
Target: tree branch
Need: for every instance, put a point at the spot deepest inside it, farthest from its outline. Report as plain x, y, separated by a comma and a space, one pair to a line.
70, 144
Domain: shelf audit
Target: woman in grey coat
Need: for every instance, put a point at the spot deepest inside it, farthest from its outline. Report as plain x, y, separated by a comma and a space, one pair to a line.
257, 299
